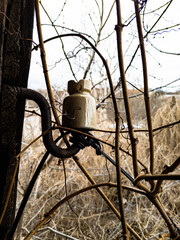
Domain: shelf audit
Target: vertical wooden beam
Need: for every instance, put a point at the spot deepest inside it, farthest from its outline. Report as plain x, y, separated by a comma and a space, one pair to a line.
16, 24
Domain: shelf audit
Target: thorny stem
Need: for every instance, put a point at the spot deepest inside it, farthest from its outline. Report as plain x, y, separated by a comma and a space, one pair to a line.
129, 119
119, 181
146, 89
121, 66
45, 69
148, 113
118, 29
43, 58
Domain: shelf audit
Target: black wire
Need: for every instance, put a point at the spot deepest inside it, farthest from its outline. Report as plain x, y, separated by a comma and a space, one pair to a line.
114, 163
28, 192
84, 141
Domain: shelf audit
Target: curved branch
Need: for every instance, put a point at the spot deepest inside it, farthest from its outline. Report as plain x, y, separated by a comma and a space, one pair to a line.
49, 214
161, 51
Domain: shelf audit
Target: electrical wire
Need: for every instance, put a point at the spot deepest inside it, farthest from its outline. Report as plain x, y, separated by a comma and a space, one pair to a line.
83, 141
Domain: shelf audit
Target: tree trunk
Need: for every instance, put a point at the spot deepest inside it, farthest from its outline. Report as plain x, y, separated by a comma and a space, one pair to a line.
16, 24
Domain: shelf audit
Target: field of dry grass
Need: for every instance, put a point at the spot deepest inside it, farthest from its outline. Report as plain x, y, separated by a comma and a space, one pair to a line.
87, 216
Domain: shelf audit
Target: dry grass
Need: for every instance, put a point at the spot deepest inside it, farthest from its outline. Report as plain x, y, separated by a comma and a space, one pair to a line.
87, 216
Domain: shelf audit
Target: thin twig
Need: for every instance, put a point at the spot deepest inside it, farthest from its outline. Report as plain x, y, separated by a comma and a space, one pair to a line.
167, 169
160, 177
146, 89
65, 54
44, 63
45, 69
145, 36
119, 27
61, 234
121, 67
101, 26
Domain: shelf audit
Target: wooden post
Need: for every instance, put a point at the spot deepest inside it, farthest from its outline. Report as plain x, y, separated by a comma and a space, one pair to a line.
16, 24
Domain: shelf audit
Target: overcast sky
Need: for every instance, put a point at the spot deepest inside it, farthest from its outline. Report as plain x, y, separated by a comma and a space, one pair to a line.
83, 16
